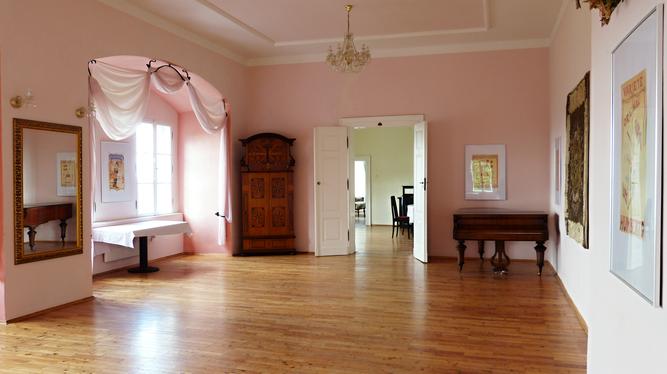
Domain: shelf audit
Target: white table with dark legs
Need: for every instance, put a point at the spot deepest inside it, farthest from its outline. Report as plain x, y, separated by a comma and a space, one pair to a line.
124, 235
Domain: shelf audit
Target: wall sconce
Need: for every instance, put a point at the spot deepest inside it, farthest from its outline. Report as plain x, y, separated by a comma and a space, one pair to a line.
19, 101
82, 111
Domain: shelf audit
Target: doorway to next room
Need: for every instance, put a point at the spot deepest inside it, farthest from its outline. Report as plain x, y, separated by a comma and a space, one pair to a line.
383, 189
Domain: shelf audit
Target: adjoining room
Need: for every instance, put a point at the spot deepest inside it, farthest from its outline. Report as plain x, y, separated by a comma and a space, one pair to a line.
383, 185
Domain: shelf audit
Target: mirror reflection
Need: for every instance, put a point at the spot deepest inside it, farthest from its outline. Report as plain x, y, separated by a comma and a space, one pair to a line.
48, 190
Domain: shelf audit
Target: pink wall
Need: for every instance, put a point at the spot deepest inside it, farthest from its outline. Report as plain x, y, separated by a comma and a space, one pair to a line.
51, 60
198, 162
626, 334
569, 60
472, 98
3, 318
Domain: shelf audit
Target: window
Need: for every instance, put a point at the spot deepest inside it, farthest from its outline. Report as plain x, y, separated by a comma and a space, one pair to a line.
154, 169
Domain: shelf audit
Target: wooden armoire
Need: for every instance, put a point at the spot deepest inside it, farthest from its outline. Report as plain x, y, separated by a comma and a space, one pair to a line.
267, 194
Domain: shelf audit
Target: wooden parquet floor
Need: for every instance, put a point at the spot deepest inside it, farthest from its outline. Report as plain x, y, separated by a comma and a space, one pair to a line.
377, 311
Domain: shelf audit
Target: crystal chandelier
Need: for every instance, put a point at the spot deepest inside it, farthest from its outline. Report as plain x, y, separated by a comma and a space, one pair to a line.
347, 59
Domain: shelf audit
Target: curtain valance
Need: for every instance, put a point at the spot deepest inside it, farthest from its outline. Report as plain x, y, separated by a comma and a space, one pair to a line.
120, 99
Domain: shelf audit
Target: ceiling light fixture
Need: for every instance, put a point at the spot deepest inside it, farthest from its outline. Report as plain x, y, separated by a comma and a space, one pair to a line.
347, 59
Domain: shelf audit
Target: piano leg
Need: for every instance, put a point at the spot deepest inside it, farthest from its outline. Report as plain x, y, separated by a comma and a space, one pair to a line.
539, 250
31, 237
462, 250
480, 244
63, 230
500, 260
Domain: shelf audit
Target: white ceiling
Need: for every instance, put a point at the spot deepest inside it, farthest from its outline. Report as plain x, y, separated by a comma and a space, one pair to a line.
263, 32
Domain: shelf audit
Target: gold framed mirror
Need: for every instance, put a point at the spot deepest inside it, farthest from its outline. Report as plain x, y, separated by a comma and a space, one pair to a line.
48, 197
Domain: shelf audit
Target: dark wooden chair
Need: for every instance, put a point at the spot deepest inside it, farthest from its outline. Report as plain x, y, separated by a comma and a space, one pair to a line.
398, 221
408, 199
359, 206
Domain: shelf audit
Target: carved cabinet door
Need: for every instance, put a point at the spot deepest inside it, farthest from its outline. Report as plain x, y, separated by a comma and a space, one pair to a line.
255, 204
281, 194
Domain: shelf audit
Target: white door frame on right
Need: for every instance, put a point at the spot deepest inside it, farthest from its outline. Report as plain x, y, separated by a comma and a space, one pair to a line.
413, 121
368, 211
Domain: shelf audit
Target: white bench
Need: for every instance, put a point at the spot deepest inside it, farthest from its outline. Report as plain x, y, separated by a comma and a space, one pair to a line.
124, 235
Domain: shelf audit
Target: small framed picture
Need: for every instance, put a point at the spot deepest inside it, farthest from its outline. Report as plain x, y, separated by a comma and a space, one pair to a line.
66, 174
485, 172
117, 172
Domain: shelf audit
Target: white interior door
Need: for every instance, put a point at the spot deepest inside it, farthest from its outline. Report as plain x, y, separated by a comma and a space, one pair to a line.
332, 215
420, 239
351, 220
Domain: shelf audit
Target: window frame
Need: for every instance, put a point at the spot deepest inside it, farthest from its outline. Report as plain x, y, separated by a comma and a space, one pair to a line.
155, 212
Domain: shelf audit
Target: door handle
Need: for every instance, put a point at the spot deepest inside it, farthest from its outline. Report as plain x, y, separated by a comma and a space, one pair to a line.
318, 183
423, 183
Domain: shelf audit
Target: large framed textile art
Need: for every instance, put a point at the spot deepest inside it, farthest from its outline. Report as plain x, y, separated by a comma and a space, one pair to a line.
636, 158
576, 163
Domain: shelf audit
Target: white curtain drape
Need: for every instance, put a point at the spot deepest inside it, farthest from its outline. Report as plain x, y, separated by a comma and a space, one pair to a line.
120, 99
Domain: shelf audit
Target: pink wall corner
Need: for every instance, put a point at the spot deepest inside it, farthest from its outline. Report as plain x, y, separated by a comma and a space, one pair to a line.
569, 60
197, 170
498, 97
3, 317
32, 57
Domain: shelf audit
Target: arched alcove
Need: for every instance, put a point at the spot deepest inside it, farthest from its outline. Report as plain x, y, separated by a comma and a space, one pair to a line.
195, 158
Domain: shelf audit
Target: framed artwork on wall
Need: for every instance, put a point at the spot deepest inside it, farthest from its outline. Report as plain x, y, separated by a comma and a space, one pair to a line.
558, 183
636, 158
117, 172
485, 172
66, 174
577, 130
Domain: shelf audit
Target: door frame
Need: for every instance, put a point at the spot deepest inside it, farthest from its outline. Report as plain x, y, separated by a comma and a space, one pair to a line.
378, 121
366, 159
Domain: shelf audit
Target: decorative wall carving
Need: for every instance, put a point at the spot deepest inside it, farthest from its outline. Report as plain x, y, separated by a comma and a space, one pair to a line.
606, 8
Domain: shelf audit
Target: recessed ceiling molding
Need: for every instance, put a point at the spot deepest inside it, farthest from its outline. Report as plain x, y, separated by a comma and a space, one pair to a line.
127, 7
487, 16
417, 51
236, 21
485, 27
384, 37
559, 18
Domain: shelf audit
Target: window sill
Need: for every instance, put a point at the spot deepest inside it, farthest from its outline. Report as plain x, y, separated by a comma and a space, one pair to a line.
161, 217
